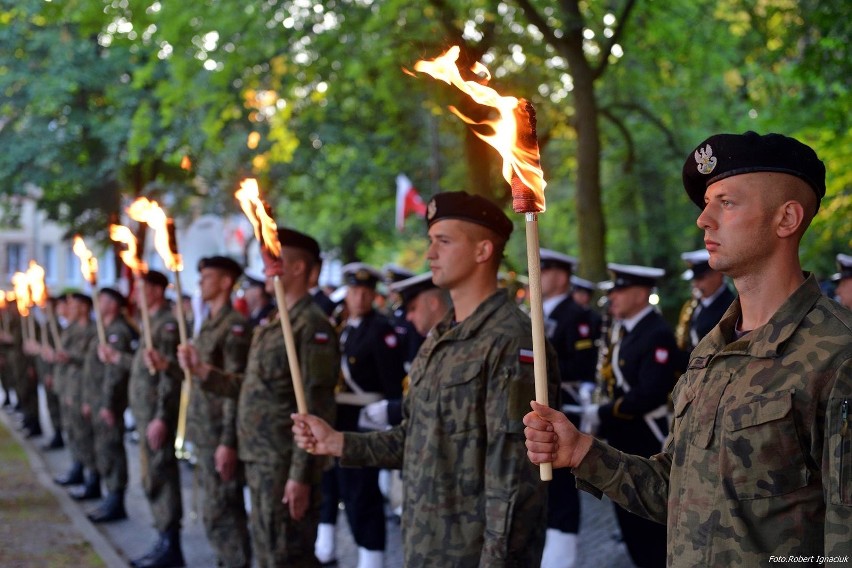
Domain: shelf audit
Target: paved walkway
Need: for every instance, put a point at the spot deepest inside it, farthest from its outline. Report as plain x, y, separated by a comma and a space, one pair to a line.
123, 540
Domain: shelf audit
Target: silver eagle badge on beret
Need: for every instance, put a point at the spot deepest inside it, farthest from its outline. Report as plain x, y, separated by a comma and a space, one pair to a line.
431, 209
705, 159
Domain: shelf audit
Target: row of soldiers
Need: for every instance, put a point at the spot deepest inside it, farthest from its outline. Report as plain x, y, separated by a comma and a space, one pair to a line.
242, 398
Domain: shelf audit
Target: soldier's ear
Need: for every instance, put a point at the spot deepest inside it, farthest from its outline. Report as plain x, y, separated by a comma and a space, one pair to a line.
483, 251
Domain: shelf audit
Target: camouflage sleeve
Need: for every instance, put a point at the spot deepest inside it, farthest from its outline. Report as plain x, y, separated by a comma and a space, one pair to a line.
837, 466
221, 383
512, 506
640, 485
376, 449
319, 358
124, 341
235, 353
166, 341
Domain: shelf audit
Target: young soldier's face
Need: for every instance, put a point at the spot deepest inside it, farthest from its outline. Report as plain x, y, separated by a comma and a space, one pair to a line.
450, 253
737, 224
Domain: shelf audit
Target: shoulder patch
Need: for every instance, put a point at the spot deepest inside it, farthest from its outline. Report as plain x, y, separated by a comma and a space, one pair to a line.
390, 340
321, 338
170, 326
238, 330
661, 355
526, 356
112, 338
400, 330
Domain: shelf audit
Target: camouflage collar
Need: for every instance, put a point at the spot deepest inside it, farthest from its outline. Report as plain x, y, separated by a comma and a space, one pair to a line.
471, 325
768, 340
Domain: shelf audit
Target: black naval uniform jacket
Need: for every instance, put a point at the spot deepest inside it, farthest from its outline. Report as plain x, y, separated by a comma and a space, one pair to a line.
705, 318
374, 355
572, 331
649, 365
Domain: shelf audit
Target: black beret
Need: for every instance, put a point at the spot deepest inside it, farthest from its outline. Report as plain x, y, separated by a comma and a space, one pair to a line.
410, 288
725, 155
114, 294
156, 278
81, 297
360, 274
291, 238
224, 263
466, 207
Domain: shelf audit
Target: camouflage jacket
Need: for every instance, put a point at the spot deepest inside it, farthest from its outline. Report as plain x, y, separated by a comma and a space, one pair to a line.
156, 395
266, 397
105, 386
223, 342
69, 376
760, 462
471, 496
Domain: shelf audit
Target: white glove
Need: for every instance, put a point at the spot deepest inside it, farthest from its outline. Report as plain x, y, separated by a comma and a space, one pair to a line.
374, 416
590, 421
586, 390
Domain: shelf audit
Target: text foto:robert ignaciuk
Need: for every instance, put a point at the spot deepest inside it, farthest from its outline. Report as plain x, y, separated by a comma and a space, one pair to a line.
810, 559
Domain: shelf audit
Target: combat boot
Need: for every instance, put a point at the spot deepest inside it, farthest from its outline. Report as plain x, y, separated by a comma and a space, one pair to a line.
111, 509
73, 477
168, 555
91, 488
55, 443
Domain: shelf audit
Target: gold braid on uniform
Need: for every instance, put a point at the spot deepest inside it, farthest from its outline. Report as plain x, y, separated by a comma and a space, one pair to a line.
682, 331
604, 375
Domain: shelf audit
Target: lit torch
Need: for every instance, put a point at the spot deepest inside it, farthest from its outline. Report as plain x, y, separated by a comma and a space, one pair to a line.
21, 284
4, 321
266, 232
514, 138
165, 243
131, 255
89, 268
38, 290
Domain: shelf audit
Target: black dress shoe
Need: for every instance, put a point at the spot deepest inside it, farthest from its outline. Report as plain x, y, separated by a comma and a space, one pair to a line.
55, 443
73, 477
32, 433
84, 493
107, 515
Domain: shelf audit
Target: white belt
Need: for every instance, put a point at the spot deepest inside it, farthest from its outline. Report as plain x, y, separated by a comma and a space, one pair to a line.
357, 398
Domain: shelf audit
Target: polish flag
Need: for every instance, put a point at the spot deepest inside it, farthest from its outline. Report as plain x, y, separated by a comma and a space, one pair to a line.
408, 201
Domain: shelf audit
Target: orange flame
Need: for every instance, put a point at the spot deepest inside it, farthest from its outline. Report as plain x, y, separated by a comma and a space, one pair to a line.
22, 292
520, 154
265, 229
88, 261
123, 235
38, 291
147, 211
3, 301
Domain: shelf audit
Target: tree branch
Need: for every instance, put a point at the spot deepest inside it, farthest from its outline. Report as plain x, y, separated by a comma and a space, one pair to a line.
622, 20
628, 138
671, 142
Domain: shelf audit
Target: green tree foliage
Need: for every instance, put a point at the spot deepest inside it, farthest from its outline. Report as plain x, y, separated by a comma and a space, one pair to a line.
103, 99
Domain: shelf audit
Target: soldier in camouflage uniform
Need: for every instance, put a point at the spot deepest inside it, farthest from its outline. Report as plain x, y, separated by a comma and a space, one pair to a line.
469, 497
106, 400
223, 342
68, 380
283, 531
54, 405
757, 470
154, 392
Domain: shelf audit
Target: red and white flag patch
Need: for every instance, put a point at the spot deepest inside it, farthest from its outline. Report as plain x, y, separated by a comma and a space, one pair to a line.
390, 340
661, 355
583, 329
320, 338
526, 356
238, 330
